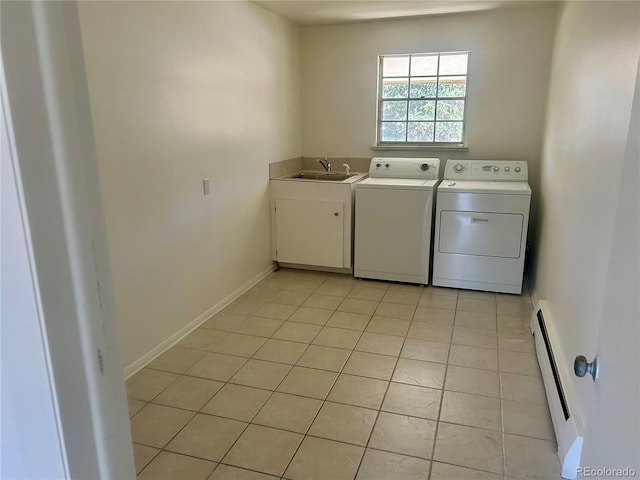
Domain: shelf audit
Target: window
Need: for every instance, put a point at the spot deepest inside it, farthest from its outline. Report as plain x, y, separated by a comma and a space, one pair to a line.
422, 98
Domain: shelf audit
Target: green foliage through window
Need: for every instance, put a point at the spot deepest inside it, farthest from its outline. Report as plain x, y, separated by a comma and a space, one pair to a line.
422, 98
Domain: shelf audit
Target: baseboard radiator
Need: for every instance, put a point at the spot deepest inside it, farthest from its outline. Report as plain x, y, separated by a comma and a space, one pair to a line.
567, 422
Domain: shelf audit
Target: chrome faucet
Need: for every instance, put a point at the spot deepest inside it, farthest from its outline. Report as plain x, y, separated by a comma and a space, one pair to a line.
326, 165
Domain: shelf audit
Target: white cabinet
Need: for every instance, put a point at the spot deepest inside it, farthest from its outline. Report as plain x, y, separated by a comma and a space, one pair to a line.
312, 223
310, 232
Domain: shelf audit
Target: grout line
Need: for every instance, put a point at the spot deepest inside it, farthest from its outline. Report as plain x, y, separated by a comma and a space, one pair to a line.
502, 439
311, 367
250, 422
471, 468
375, 422
502, 433
280, 383
338, 374
150, 460
225, 383
444, 381
379, 409
324, 401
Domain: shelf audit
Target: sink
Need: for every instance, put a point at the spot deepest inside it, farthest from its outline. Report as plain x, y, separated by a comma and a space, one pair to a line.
324, 176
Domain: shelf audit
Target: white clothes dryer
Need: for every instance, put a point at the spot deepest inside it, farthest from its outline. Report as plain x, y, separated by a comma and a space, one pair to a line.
393, 219
482, 217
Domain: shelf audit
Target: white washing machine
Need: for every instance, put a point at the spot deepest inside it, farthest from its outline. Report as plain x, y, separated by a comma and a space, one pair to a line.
394, 211
482, 216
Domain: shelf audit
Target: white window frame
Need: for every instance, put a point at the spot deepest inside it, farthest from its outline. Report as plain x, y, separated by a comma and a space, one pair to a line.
405, 143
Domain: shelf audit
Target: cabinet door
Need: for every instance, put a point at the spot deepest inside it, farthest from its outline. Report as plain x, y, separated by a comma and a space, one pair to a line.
310, 232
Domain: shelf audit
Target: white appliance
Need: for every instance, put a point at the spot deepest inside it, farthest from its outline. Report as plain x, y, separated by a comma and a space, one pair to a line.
394, 210
482, 215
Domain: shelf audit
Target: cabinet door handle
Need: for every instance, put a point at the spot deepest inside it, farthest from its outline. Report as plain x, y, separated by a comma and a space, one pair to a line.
476, 219
337, 214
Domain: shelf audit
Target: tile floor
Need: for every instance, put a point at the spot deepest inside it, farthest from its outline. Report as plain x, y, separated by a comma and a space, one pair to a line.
322, 376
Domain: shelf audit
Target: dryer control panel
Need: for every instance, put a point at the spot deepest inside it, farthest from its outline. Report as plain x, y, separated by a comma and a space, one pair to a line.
486, 170
387, 167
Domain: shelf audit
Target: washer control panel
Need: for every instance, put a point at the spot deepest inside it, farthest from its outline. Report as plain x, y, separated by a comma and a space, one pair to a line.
422, 168
492, 170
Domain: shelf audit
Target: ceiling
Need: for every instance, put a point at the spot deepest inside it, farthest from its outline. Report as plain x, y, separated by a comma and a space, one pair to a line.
321, 12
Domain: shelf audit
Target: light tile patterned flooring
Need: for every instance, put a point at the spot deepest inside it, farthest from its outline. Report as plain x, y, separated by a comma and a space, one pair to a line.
321, 376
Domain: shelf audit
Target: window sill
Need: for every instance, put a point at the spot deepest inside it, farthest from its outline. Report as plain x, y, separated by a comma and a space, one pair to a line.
443, 148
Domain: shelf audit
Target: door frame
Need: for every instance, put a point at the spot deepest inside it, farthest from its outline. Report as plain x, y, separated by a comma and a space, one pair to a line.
49, 119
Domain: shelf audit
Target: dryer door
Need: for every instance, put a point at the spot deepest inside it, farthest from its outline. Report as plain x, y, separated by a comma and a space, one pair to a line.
484, 234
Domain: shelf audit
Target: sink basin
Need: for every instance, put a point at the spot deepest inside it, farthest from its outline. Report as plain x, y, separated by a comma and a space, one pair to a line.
324, 176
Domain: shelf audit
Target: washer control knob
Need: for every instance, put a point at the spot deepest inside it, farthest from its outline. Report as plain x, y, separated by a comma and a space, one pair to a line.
386, 165
507, 169
378, 165
458, 168
424, 167
496, 169
518, 169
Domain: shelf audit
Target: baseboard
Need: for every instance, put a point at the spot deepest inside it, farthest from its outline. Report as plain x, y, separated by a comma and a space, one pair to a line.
140, 363
561, 397
316, 268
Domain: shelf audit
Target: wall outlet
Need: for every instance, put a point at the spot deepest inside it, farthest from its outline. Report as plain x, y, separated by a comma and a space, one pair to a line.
206, 186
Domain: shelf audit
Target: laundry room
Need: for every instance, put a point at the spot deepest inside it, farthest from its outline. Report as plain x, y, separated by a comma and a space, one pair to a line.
330, 239
334, 69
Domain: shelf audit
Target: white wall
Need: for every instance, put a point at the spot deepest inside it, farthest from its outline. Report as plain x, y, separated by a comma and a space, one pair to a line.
508, 79
181, 91
579, 267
